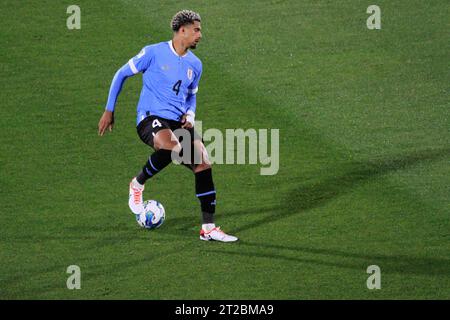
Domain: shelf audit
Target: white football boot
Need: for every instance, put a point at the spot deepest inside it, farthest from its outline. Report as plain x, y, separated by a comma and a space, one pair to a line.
216, 234
135, 201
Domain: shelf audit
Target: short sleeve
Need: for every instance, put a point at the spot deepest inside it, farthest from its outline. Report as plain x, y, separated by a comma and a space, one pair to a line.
142, 60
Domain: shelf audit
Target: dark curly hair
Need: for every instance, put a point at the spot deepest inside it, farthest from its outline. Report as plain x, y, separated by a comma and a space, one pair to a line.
183, 18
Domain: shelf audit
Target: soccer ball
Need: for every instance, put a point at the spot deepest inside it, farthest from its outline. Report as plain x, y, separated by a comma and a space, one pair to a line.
153, 215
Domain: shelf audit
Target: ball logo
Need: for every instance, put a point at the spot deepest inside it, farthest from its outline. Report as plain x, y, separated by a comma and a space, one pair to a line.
189, 73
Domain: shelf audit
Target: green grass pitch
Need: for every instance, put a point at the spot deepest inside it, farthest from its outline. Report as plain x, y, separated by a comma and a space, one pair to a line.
364, 153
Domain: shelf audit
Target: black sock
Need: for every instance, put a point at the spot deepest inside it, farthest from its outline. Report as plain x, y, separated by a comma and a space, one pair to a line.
205, 192
155, 163
207, 217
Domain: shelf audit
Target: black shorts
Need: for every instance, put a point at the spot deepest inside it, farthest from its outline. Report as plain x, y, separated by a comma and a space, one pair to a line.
151, 125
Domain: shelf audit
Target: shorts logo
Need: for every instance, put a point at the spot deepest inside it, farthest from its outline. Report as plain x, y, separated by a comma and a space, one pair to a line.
189, 73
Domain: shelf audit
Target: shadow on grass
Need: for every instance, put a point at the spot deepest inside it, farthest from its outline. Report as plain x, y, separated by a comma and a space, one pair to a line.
306, 197
401, 264
91, 267
354, 174
388, 264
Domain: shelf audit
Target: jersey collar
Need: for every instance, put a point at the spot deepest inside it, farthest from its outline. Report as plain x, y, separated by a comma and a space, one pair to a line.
174, 52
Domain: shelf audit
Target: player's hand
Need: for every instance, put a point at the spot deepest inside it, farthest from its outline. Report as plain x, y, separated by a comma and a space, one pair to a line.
186, 124
106, 122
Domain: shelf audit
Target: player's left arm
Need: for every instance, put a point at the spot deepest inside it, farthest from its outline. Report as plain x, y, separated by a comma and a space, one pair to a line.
188, 118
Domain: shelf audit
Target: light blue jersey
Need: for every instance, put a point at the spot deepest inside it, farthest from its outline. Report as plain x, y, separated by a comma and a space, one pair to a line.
170, 82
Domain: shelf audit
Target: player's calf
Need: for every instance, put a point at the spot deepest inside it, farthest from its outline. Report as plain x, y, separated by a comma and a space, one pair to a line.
155, 163
206, 194
164, 144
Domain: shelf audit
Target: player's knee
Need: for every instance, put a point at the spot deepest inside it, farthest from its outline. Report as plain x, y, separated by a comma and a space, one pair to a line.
174, 146
201, 167
202, 154
165, 139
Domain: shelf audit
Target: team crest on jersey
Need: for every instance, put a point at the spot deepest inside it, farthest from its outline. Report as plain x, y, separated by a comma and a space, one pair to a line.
190, 73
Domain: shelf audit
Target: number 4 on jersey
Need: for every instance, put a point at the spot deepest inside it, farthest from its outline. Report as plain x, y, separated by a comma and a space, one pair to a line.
176, 86
156, 123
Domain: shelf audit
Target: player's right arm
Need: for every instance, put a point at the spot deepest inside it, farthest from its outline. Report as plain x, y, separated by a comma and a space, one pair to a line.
107, 119
137, 64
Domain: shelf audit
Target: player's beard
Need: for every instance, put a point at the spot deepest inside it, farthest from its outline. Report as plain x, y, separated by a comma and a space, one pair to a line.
193, 46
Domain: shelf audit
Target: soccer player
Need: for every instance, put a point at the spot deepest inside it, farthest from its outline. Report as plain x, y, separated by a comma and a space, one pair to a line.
171, 74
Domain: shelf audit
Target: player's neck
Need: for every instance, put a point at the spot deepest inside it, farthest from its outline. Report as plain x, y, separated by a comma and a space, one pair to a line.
178, 46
